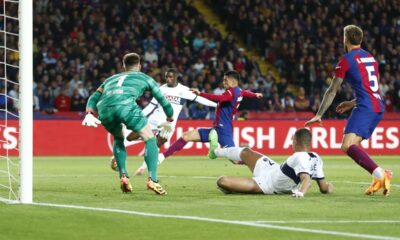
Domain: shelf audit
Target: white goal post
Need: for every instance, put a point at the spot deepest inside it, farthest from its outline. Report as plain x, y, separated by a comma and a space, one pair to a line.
26, 100
16, 106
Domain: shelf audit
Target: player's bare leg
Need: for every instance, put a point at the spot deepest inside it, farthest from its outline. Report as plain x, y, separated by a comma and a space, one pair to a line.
238, 185
381, 178
250, 157
151, 159
238, 154
133, 136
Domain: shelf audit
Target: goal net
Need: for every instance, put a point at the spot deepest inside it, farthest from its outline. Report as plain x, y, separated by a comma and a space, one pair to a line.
16, 101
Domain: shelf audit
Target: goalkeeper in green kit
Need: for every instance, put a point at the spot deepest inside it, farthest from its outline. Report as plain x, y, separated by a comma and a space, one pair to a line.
115, 103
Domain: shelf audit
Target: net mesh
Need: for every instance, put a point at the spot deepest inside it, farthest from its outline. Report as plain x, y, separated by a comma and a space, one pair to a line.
9, 100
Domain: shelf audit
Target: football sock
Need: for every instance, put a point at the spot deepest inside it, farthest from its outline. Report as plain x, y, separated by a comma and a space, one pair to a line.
362, 158
232, 153
151, 157
120, 156
378, 173
161, 159
176, 146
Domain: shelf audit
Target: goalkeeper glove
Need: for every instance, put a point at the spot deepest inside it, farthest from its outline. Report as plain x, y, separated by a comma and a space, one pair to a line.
90, 120
167, 129
298, 194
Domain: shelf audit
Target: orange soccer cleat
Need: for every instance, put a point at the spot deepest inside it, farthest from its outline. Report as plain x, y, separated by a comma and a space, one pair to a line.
155, 186
377, 184
126, 186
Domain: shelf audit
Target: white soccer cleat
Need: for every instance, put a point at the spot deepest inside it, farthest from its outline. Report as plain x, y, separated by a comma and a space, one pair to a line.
140, 171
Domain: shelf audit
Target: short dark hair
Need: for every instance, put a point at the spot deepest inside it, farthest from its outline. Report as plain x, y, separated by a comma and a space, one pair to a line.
353, 34
172, 70
131, 59
232, 74
303, 136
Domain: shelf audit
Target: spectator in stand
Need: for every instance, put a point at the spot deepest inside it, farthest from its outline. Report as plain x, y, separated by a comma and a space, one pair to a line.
3, 98
198, 111
316, 102
36, 107
243, 116
46, 103
63, 102
275, 104
292, 33
220, 89
78, 103
301, 102
388, 99
82, 90
14, 96
287, 103
150, 56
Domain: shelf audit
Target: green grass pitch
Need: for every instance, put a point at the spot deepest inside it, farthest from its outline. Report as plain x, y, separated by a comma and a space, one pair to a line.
194, 208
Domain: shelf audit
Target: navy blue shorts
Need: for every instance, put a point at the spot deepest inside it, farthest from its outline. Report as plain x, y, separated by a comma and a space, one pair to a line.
225, 137
362, 123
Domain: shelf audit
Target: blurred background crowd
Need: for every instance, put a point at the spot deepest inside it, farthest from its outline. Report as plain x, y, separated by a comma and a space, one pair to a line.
78, 44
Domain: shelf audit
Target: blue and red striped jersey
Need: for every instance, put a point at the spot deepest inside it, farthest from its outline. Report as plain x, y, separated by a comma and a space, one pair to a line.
360, 69
228, 103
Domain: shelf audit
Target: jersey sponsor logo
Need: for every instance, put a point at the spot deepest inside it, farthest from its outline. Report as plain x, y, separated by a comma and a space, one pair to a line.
173, 99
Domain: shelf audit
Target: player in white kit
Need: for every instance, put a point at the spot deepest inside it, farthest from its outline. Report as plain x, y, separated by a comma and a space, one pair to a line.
291, 177
176, 94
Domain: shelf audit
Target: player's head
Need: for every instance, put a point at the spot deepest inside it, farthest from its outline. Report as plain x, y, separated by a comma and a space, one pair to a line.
352, 36
302, 140
231, 79
171, 76
131, 62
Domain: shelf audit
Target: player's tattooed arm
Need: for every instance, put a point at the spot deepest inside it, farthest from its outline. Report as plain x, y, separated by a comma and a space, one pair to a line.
329, 95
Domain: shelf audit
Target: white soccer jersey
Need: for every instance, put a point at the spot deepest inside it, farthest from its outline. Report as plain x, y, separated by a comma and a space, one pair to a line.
275, 179
176, 96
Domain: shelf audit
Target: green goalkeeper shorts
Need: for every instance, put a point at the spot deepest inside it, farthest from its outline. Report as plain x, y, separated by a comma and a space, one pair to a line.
131, 115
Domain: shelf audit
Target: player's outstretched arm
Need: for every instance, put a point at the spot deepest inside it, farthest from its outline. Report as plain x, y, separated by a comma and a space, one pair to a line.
305, 182
324, 186
250, 94
327, 100
190, 95
225, 97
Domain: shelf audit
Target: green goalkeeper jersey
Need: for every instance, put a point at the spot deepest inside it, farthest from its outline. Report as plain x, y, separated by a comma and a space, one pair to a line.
124, 88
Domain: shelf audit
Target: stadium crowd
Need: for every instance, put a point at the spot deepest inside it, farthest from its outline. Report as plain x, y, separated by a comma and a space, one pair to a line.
78, 44
303, 39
